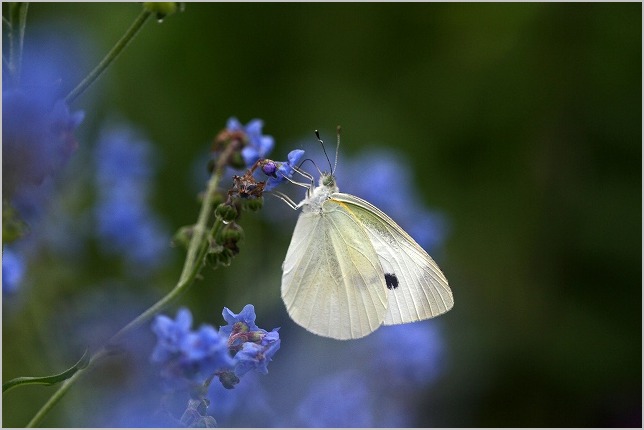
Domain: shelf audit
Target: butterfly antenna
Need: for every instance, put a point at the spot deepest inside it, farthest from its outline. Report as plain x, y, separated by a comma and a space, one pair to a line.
337, 149
317, 134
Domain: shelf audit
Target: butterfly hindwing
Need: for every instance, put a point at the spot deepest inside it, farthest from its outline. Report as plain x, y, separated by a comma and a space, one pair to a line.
416, 287
332, 282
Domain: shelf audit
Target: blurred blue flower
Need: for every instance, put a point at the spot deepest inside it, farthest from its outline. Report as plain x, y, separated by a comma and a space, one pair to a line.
382, 177
382, 378
417, 358
258, 145
340, 400
37, 125
207, 350
13, 270
245, 406
171, 334
126, 224
279, 170
37, 138
186, 354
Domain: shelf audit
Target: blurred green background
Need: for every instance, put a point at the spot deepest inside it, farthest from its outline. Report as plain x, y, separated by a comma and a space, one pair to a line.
522, 123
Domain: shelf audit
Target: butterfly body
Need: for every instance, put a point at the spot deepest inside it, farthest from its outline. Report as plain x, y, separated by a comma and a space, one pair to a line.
350, 268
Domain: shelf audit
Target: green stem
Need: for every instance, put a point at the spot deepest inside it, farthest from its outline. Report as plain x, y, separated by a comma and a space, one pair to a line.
110, 57
194, 262
17, 24
62, 390
22, 24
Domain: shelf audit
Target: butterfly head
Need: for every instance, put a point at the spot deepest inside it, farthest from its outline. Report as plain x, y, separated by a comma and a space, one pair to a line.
327, 180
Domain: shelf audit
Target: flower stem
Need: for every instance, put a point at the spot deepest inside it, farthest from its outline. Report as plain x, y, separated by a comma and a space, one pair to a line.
62, 390
193, 264
18, 22
191, 268
110, 57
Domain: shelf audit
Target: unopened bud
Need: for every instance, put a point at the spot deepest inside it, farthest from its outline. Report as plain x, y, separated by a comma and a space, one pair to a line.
228, 379
226, 212
162, 9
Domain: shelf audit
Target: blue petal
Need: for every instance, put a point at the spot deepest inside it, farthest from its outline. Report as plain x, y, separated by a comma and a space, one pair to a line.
294, 156
233, 124
247, 316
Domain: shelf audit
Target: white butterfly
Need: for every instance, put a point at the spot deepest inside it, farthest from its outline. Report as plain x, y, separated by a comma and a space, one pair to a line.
350, 268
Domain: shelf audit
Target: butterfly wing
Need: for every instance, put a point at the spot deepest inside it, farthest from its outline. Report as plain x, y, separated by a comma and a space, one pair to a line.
332, 282
416, 287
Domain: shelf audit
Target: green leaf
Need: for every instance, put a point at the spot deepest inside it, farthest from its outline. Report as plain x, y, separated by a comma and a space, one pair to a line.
12, 226
48, 380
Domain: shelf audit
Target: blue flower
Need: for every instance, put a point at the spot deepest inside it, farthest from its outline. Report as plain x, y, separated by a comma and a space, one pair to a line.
228, 353
125, 223
258, 145
189, 355
341, 400
207, 350
37, 138
171, 334
279, 170
37, 125
419, 346
254, 347
123, 155
13, 270
246, 317
257, 355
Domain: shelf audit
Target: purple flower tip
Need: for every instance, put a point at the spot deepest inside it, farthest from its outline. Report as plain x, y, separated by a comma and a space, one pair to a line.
269, 168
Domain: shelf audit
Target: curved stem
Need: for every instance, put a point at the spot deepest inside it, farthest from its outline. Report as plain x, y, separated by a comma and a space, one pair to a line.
62, 390
110, 57
194, 259
193, 264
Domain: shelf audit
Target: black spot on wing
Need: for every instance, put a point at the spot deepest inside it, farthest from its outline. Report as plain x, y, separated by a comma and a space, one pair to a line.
391, 280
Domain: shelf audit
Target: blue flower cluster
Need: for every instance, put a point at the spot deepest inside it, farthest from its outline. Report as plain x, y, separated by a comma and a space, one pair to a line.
126, 224
38, 139
37, 125
258, 145
228, 353
382, 379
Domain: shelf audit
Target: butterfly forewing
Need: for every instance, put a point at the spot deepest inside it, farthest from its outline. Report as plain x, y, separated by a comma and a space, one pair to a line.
332, 281
416, 287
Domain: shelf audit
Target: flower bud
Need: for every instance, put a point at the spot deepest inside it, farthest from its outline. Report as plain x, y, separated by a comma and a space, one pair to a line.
162, 9
228, 379
269, 168
225, 258
226, 212
233, 232
183, 236
253, 205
